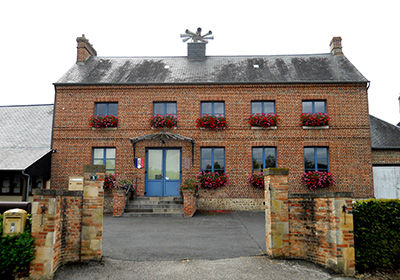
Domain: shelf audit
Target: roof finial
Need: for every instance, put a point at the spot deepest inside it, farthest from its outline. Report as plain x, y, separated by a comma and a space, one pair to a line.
196, 37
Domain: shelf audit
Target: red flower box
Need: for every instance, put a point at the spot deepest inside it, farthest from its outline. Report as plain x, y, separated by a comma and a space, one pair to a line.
103, 121
212, 180
314, 119
212, 122
263, 120
315, 179
164, 121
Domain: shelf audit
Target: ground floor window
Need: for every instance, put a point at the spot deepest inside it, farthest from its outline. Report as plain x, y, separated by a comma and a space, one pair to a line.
11, 184
316, 159
213, 159
105, 156
263, 157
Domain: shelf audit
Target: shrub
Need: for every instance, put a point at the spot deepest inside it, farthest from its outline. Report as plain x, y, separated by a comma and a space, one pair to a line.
212, 122
263, 120
257, 180
212, 180
314, 119
377, 234
315, 179
16, 252
161, 121
103, 121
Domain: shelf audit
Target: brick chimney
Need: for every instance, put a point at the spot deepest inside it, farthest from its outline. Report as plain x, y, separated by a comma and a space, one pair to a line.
197, 51
336, 46
85, 49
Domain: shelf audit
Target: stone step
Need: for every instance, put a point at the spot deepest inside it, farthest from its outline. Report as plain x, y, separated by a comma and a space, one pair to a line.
155, 206
151, 214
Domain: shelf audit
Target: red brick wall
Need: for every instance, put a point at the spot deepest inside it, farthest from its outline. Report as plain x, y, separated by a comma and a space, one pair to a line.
348, 137
386, 156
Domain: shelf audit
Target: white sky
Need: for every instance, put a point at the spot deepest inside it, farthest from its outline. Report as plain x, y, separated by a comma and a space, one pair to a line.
38, 37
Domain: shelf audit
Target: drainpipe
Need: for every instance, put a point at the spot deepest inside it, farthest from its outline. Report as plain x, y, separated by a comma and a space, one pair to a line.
27, 185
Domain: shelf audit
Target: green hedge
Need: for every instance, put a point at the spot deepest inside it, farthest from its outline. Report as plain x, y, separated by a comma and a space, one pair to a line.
16, 252
377, 234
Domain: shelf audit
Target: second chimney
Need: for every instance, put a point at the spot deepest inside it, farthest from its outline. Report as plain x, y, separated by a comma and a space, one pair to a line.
336, 46
85, 49
197, 51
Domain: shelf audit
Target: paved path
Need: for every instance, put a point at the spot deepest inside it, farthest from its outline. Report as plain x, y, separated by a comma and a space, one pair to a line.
222, 246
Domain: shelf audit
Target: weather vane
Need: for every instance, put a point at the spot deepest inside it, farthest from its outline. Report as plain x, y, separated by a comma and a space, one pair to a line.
196, 37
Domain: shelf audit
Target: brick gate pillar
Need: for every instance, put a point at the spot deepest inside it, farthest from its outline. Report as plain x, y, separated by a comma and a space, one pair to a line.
92, 212
276, 212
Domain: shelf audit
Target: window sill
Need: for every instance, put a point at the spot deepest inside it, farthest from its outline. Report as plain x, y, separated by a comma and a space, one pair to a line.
316, 127
104, 128
217, 129
266, 128
163, 128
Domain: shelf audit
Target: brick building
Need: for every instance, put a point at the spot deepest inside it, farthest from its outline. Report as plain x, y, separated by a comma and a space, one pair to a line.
235, 87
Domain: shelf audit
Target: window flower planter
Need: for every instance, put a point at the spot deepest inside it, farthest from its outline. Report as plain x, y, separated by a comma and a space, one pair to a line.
164, 121
262, 120
212, 180
315, 179
108, 121
257, 180
315, 119
211, 122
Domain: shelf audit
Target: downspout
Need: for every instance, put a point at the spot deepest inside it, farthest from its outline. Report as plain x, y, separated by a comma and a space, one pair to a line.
27, 185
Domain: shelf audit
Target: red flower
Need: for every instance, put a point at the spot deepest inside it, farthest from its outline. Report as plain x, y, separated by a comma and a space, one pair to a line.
212, 122
314, 119
263, 120
103, 121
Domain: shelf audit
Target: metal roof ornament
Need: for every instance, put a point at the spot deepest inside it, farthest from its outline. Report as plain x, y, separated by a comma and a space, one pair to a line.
196, 37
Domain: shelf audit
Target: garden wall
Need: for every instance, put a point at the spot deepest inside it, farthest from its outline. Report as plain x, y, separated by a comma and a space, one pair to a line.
315, 226
68, 225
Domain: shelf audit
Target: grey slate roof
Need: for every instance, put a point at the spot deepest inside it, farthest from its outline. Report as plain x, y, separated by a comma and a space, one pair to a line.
384, 135
25, 135
316, 68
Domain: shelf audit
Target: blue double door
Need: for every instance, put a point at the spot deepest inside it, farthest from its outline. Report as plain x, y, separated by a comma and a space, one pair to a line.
163, 171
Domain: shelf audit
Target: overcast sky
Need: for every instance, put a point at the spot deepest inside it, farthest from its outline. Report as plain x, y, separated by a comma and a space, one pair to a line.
38, 38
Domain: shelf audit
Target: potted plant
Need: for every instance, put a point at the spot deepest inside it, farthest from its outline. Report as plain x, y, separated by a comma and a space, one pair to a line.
316, 179
189, 184
211, 122
109, 181
257, 180
314, 119
164, 121
263, 120
212, 180
107, 121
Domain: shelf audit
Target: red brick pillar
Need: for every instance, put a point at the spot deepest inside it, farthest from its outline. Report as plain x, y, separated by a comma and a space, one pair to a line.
92, 217
119, 201
189, 203
276, 212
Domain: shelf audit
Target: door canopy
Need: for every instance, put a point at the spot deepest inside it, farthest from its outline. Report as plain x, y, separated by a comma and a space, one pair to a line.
162, 136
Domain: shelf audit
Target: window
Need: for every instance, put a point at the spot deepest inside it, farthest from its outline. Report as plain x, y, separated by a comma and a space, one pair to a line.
105, 156
213, 159
316, 159
106, 109
213, 108
263, 157
11, 184
314, 106
163, 108
262, 107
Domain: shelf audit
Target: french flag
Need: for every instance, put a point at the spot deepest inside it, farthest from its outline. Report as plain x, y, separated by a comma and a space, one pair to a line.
139, 162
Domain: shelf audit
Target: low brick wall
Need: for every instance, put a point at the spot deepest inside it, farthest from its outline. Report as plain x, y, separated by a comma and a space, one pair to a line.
240, 204
67, 225
313, 226
119, 201
108, 201
189, 203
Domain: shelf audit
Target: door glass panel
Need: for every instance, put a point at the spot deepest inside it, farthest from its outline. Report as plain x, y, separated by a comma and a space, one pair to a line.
154, 164
98, 153
98, 162
110, 153
172, 164
110, 165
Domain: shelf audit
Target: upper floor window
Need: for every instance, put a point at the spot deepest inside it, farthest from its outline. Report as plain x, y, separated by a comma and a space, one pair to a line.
316, 159
316, 106
163, 108
216, 108
258, 107
105, 156
106, 109
212, 159
263, 157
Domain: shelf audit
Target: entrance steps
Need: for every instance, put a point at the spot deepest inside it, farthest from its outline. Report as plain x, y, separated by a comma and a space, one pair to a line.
155, 206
